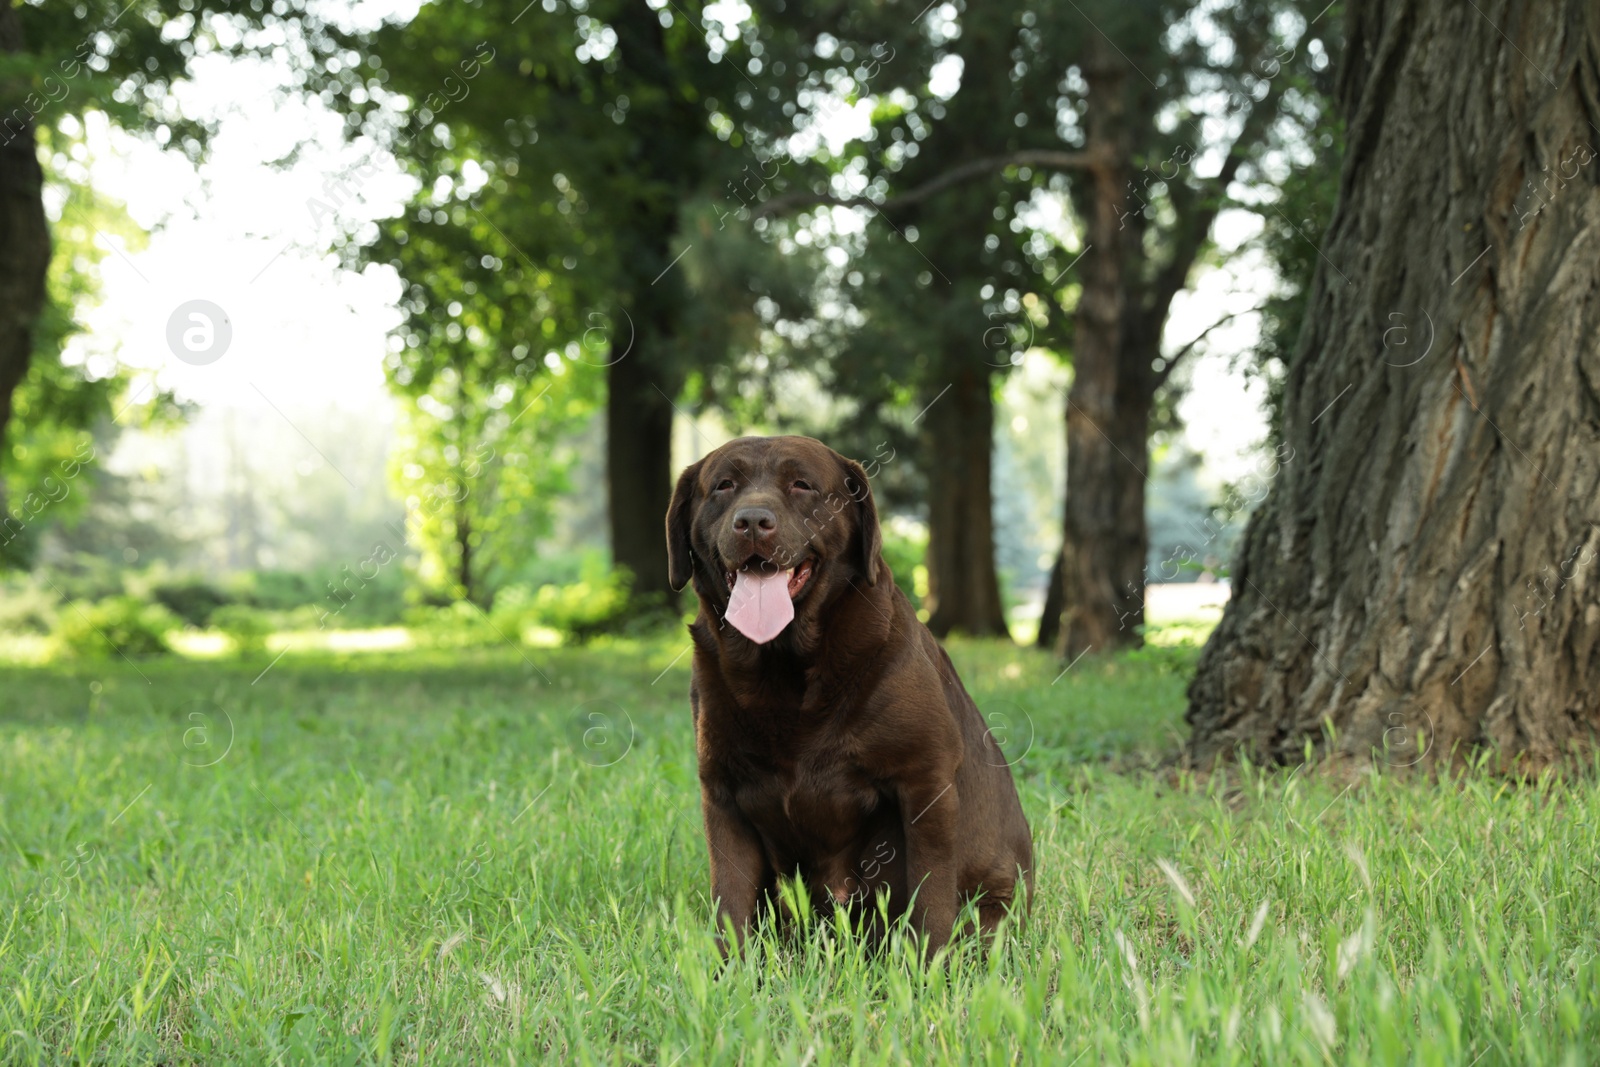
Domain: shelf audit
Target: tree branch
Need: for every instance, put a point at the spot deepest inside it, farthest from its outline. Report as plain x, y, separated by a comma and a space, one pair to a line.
1173, 360
1193, 236
1046, 159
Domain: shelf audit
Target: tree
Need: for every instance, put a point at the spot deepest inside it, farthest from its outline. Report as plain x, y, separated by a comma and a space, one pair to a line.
1151, 80
61, 413
1419, 580
24, 230
480, 460
935, 287
557, 146
962, 234
58, 62
1129, 103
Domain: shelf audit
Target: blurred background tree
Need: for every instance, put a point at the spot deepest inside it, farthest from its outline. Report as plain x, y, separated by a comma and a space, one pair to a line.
560, 150
59, 64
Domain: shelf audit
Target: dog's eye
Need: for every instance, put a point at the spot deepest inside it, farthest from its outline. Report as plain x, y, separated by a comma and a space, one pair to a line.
724, 485
803, 486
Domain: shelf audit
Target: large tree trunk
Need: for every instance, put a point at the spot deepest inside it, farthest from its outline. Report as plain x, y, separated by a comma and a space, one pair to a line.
645, 375
639, 465
958, 441
1421, 579
24, 239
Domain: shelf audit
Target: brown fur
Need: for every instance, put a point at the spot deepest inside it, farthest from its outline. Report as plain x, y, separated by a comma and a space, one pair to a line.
846, 750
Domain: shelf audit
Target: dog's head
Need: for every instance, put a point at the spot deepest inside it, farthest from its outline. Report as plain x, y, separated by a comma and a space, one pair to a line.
771, 515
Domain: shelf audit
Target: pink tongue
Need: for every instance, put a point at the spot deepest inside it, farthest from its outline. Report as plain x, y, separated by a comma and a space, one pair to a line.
759, 606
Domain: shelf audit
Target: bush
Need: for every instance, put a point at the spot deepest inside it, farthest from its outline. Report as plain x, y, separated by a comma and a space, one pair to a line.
246, 627
905, 547
27, 607
123, 624
457, 625
598, 603
191, 599
557, 567
331, 599
82, 576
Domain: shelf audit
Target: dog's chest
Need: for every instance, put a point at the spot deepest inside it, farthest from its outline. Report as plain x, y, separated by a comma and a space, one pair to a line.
814, 803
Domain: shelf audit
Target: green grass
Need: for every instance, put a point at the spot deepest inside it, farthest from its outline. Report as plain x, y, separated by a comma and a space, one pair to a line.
441, 857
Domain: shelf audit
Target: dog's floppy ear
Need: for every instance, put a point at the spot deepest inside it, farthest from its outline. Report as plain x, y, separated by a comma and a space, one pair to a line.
680, 553
869, 536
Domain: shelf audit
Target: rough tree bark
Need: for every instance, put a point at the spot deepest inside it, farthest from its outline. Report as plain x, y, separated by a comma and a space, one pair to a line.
1421, 578
1118, 365
24, 239
958, 438
1102, 566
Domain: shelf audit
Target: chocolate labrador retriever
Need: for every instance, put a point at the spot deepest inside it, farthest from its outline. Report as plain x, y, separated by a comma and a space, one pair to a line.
835, 740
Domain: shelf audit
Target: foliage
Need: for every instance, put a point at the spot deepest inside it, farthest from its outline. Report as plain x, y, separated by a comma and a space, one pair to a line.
905, 546
116, 626
1290, 238
598, 602
252, 600
481, 461
247, 628
27, 605
119, 60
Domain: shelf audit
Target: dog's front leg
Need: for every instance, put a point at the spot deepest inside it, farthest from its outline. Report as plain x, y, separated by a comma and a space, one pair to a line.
738, 867
931, 811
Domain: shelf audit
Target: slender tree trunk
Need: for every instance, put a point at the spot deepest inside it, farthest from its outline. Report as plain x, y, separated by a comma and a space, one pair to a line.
464, 555
958, 439
24, 240
1097, 597
1422, 577
645, 375
639, 465
1050, 617
1106, 465
1104, 554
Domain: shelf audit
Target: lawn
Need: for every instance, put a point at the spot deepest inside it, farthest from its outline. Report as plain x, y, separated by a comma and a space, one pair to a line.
494, 856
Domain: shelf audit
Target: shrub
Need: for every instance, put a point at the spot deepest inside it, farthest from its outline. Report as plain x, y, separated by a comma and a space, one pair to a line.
27, 607
190, 598
122, 624
598, 603
905, 547
246, 627
275, 590
457, 625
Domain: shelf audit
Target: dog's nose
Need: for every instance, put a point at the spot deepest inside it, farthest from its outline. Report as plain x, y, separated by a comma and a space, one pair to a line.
755, 522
